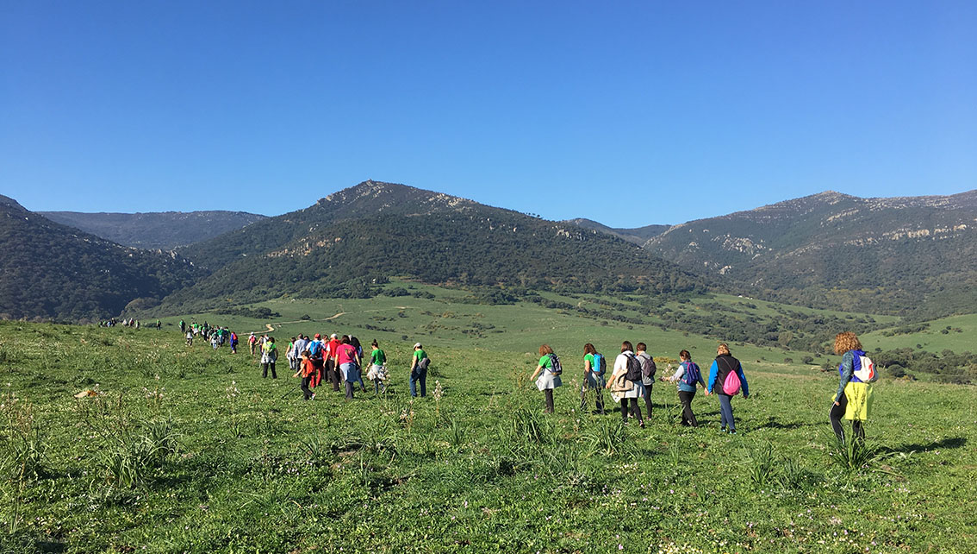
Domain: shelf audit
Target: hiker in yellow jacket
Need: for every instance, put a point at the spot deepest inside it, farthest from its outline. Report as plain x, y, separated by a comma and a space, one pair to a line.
854, 397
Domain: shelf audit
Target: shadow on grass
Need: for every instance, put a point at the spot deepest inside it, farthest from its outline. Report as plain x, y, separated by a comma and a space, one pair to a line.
954, 442
772, 423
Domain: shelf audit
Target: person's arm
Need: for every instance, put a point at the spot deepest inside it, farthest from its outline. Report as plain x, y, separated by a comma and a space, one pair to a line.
847, 370
713, 373
742, 376
587, 368
539, 368
413, 360
677, 375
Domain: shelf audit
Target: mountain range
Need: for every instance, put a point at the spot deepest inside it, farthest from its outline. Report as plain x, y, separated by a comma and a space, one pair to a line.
910, 256
159, 230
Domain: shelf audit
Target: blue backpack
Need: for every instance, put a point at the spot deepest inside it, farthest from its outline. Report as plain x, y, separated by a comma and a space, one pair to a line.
692, 374
600, 364
315, 349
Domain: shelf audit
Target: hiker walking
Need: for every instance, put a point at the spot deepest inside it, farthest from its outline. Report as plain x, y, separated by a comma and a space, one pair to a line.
378, 369
727, 378
252, 343
626, 383
233, 342
648, 370
355, 343
332, 370
317, 350
549, 370
854, 396
269, 355
348, 362
306, 372
594, 368
419, 363
687, 376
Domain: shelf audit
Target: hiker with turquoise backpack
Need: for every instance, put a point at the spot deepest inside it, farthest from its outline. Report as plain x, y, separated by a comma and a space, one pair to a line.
854, 396
687, 376
727, 378
549, 370
594, 368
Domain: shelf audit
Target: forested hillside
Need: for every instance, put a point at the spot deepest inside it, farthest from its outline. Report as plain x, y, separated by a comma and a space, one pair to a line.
914, 256
50, 271
366, 233
163, 230
639, 235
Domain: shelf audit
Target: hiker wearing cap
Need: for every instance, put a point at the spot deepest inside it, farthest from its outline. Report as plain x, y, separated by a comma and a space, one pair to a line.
626, 384
548, 369
594, 368
727, 378
332, 370
418, 370
854, 396
348, 362
687, 376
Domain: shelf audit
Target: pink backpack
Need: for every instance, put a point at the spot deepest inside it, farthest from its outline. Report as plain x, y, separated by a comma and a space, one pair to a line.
731, 385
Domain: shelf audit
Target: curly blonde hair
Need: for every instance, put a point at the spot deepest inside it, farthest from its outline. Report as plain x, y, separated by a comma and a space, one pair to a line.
723, 349
846, 341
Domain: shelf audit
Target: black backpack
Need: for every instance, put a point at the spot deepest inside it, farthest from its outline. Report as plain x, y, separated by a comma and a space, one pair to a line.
556, 368
634, 369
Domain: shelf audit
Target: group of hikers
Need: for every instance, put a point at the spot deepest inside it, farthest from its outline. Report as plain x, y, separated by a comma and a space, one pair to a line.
633, 373
217, 336
128, 322
339, 359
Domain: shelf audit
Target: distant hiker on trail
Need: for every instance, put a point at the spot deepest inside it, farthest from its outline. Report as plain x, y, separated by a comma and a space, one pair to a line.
215, 341
594, 368
727, 378
307, 372
419, 363
269, 355
252, 343
853, 400
233, 342
548, 369
348, 362
189, 338
626, 383
687, 376
183, 326
648, 370
378, 368
159, 325
332, 370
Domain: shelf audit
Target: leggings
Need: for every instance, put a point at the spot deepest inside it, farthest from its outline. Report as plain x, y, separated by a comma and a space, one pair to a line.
264, 368
635, 410
647, 397
549, 400
837, 414
306, 392
688, 418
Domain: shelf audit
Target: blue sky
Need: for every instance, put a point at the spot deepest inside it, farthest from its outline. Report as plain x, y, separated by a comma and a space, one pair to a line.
629, 113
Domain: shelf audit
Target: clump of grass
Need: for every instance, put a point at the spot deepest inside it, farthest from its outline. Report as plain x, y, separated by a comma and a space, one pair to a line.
609, 438
761, 464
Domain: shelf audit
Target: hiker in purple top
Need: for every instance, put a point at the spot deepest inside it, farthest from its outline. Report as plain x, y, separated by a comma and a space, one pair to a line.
726, 377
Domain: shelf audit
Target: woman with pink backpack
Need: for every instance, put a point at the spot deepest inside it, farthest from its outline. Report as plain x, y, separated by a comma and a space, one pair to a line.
727, 378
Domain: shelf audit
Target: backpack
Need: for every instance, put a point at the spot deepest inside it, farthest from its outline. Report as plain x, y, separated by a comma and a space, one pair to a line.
600, 364
555, 367
423, 363
315, 349
731, 384
648, 367
692, 374
866, 371
634, 369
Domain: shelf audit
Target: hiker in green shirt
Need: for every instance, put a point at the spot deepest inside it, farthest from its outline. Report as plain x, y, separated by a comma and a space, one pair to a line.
418, 370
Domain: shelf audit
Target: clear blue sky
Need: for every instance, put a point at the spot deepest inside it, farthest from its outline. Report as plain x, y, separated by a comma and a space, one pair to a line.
626, 112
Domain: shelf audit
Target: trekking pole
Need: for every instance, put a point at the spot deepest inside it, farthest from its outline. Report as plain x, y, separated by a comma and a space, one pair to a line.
290, 390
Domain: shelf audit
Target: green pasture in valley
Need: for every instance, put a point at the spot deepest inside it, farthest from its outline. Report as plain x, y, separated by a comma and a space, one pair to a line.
189, 449
956, 333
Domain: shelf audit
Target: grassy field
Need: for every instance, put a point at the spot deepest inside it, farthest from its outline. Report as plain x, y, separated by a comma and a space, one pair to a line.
187, 449
954, 333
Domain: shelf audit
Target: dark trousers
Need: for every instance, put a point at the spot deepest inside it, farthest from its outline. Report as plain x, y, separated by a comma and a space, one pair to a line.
647, 397
726, 420
332, 373
597, 385
418, 376
264, 370
635, 409
548, 393
688, 418
837, 414
306, 392
349, 390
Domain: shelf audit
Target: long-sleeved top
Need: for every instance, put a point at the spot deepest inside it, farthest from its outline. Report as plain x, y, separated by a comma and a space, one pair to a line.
714, 373
847, 371
679, 373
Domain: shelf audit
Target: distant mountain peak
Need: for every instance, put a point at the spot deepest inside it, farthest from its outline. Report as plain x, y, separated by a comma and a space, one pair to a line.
7, 201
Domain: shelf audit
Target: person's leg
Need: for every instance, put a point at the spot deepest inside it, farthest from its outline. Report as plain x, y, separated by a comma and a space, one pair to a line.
349, 390
726, 407
334, 374
624, 410
647, 396
583, 395
836, 414
264, 371
423, 377
858, 431
636, 411
600, 395
548, 393
306, 393
691, 415
273, 374
413, 383
683, 397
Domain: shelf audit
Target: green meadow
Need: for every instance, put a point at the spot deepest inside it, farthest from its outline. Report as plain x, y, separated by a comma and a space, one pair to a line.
189, 449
